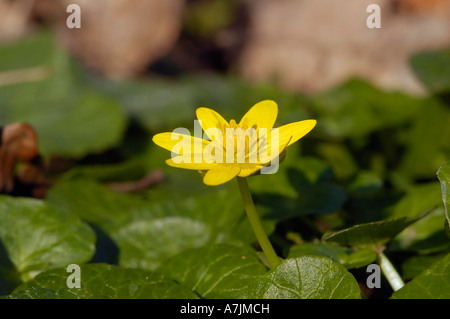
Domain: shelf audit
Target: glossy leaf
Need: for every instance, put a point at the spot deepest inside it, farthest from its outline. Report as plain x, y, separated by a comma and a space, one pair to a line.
215, 271
426, 236
146, 244
38, 237
347, 257
101, 281
307, 277
433, 283
147, 232
415, 265
374, 235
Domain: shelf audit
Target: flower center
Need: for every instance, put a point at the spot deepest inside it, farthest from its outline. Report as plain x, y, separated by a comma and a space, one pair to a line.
239, 140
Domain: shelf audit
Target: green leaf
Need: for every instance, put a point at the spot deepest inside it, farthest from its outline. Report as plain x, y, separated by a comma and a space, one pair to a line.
149, 230
417, 199
433, 69
87, 123
130, 170
365, 183
70, 119
433, 283
444, 177
160, 104
347, 257
356, 109
415, 265
215, 271
426, 236
38, 237
427, 141
93, 203
339, 156
17, 55
307, 277
305, 187
101, 281
156, 105
374, 235
170, 227
146, 244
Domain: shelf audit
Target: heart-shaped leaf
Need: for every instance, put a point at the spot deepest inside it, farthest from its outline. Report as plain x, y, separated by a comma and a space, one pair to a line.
38, 237
215, 271
101, 281
149, 231
146, 244
307, 277
415, 265
433, 283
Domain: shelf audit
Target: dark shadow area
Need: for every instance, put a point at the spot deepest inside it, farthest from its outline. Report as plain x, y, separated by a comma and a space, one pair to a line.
106, 250
361, 275
9, 278
134, 142
313, 198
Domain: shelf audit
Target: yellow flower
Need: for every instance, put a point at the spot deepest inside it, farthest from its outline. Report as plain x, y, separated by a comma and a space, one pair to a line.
230, 149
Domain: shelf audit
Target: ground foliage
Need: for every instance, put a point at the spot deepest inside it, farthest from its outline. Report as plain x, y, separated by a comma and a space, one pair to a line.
362, 182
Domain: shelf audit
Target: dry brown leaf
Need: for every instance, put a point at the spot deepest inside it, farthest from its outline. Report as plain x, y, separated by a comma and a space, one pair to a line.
19, 143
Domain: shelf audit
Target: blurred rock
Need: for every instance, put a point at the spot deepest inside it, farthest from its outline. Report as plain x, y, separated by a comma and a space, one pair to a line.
15, 18
119, 37
311, 45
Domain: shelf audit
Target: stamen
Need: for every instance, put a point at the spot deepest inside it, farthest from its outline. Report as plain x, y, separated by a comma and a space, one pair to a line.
233, 124
238, 134
245, 123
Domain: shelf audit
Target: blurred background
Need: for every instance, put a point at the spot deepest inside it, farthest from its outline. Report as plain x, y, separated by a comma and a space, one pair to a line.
97, 94
303, 45
93, 98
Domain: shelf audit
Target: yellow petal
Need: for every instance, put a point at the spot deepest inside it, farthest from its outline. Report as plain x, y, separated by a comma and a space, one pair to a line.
180, 143
291, 133
287, 135
270, 151
262, 114
220, 174
249, 169
210, 119
179, 163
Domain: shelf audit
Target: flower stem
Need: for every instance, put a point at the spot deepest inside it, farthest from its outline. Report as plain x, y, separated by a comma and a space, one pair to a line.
390, 272
255, 222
